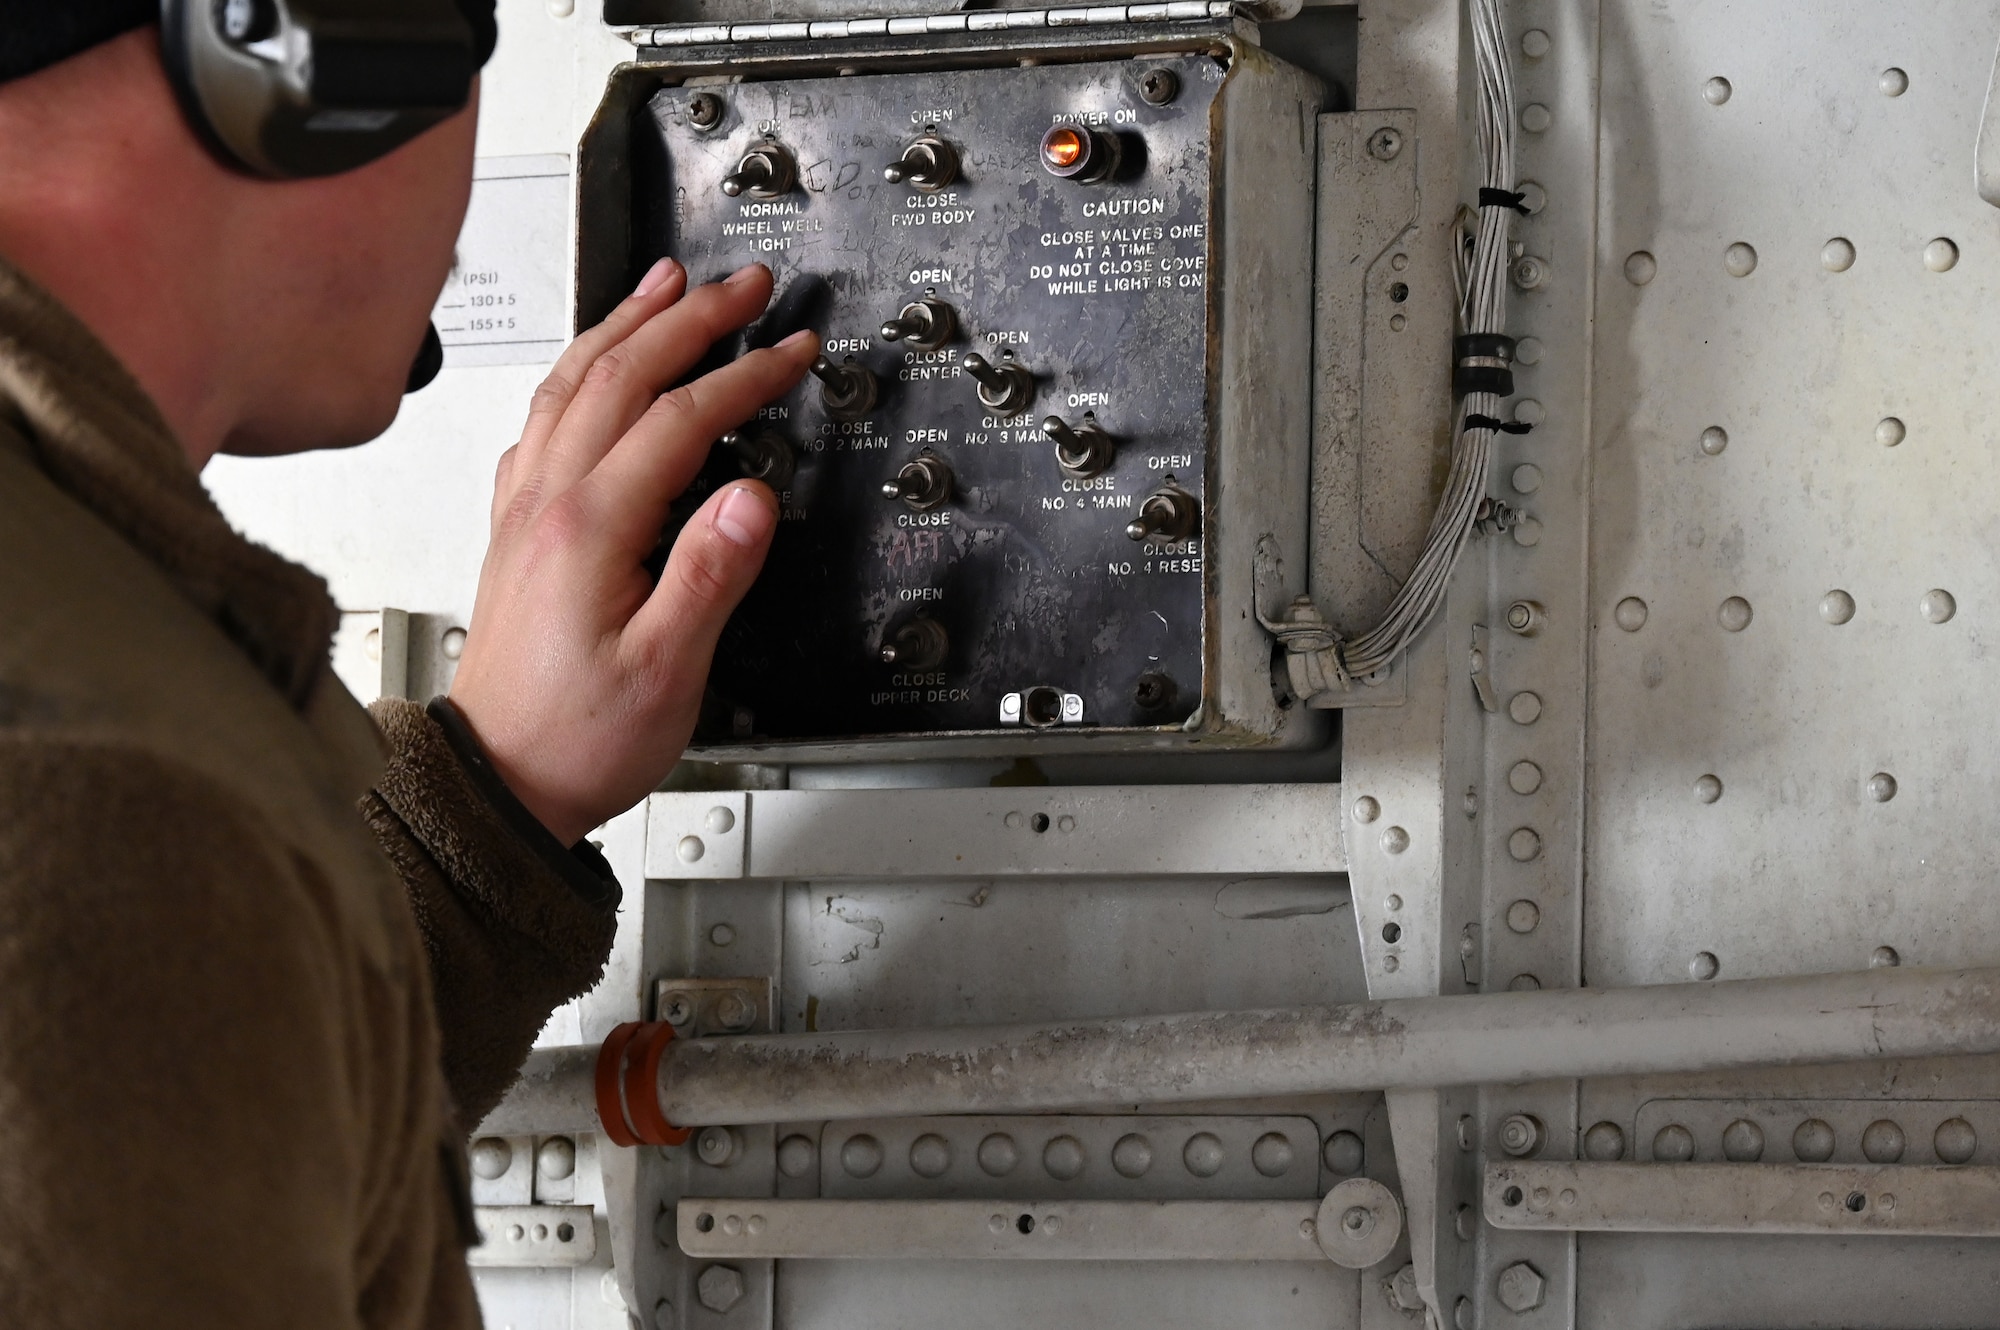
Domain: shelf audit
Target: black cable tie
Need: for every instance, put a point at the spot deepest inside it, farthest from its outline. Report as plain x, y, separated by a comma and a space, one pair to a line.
1476, 421
1503, 198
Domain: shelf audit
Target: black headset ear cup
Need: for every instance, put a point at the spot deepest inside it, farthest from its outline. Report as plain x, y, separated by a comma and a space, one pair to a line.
430, 359
334, 85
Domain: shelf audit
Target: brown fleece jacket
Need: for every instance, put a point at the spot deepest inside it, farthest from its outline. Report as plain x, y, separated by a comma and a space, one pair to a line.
235, 1014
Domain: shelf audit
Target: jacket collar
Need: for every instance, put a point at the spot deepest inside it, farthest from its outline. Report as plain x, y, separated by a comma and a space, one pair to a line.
94, 431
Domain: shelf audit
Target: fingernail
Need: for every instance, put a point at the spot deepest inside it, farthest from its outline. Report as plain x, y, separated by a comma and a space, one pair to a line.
800, 338
745, 517
656, 274
743, 274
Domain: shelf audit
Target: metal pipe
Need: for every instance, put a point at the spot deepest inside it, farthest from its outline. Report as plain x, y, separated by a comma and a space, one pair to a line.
1407, 1042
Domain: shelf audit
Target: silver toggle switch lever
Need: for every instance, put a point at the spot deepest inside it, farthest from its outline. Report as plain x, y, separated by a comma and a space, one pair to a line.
765, 172
1169, 513
922, 325
1082, 452
1004, 389
847, 389
929, 163
764, 454
920, 644
923, 483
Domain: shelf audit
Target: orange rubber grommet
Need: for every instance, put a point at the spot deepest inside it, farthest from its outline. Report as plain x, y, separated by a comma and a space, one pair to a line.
609, 1080
642, 1088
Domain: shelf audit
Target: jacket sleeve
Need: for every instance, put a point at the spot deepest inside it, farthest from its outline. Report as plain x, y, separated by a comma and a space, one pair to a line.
514, 922
215, 1074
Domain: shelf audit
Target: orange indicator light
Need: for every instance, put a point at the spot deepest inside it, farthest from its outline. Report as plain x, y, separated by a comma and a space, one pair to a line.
1063, 147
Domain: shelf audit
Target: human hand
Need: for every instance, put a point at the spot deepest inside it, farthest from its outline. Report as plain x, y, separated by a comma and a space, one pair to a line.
580, 677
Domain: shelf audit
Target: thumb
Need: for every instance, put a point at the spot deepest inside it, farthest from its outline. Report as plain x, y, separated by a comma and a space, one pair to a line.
716, 557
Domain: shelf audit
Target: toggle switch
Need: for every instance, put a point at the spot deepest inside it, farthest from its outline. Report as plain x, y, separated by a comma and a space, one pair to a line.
929, 163
847, 389
924, 325
920, 644
1082, 452
766, 172
764, 454
1004, 389
1169, 513
923, 483
1072, 152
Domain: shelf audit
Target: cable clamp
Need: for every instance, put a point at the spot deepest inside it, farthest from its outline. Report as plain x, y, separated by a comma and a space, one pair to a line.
1497, 425
1314, 661
1503, 198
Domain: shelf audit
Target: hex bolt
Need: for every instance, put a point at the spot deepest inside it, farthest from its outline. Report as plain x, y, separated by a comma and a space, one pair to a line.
1521, 1135
715, 1146
720, 1287
704, 110
1521, 1287
677, 1009
1385, 143
1157, 87
734, 1012
1403, 1290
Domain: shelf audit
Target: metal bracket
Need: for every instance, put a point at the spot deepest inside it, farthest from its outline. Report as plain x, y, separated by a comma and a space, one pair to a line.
926, 25
534, 1235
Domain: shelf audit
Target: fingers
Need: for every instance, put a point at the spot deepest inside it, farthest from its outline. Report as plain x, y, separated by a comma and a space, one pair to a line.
625, 380
628, 494
663, 284
713, 563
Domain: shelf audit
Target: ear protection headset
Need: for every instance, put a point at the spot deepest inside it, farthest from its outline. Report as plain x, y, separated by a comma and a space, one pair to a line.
296, 88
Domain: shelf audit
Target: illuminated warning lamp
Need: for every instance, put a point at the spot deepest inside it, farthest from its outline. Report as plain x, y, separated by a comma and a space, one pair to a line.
1075, 153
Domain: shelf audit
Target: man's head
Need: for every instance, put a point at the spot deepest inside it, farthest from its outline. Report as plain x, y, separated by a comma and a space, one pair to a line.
263, 316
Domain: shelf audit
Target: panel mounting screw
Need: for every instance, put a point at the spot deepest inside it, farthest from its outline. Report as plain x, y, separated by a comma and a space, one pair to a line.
1159, 86
1385, 143
677, 1009
705, 110
1521, 1135
716, 1146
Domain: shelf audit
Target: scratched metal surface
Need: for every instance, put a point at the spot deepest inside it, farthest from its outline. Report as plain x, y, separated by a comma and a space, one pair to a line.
1097, 289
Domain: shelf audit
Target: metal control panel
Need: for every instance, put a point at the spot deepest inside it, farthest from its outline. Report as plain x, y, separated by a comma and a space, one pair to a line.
999, 489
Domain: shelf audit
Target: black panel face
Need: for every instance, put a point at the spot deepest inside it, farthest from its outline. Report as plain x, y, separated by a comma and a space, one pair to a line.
1000, 572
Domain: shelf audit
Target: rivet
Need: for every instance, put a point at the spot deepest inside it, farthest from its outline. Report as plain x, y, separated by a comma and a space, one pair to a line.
1673, 1144
1534, 198
1399, 261
719, 821
1014, 821
561, 8
998, 1155
1941, 255
796, 1155
1132, 1156
1535, 43
1065, 823
1308, 1229
1524, 778
1272, 1154
1528, 351
1836, 607
1743, 1142
1894, 82
1704, 966
1527, 532
1203, 1155
1826, 1200
732, 1225
1739, 260
1955, 1141
1888, 1201
1604, 1142
1889, 431
491, 1157
557, 1157
1630, 614
755, 1225
1567, 1198
1526, 478
1714, 439
997, 1224
1881, 787
1524, 708
1882, 1142
1462, 1315
1395, 840
1884, 958
452, 643
1937, 605
1342, 1153
861, 1156
1524, 983
372, 644
1641, 267
1524, 844
1733, 614
1838, 256
1812, 1143
1708, 788
1465, 1223
690, 849
1716, 91
1063, 1158
1397, 323
1468, 1133
930, 1155
721, 935
1390, 964
1392, 902
1535, 118
1523, 915
1529, 411
1367, 808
